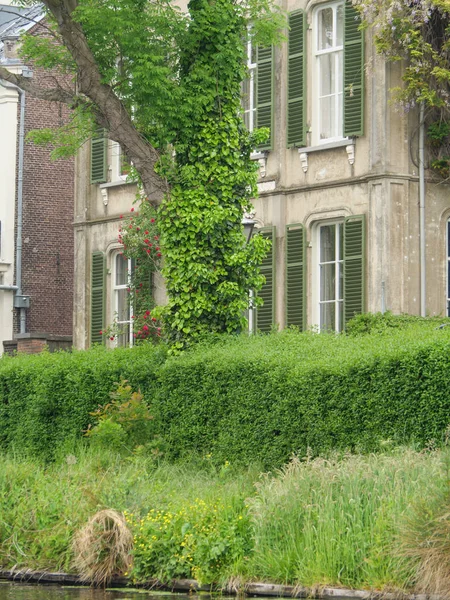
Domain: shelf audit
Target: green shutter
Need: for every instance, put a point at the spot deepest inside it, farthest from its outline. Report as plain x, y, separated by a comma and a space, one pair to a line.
265, 314
98, 157
264, 92
353, 72
354, 266
97, 297
295, 276
296, 134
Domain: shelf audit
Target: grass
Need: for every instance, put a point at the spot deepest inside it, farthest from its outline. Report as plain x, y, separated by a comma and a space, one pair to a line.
341, 521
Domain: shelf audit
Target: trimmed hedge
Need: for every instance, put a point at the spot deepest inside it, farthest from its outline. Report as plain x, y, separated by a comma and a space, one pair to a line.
261, 399
244, 399
45, 399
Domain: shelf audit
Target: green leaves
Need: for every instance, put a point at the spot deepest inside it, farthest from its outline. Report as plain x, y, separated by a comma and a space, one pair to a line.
208, 267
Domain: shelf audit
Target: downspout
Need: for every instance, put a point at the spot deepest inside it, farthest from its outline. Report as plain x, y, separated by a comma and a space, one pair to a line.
18, 286
423, 300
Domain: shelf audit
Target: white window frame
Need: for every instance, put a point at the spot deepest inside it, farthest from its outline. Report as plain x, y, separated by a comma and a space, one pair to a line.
249, 104
338, 51
115, 297
316, 288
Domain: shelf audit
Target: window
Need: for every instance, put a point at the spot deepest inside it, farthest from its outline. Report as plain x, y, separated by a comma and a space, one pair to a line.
328, 73
249, 88
257, 90
120, 166
338, 272
330, 273
122, 271
336, 69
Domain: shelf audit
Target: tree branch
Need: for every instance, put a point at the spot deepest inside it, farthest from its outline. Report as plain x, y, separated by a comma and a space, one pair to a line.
107, 105
57, 94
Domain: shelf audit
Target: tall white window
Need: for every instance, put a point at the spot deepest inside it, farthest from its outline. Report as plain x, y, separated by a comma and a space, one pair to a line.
330, 276
249, 88
328, 73
123, 269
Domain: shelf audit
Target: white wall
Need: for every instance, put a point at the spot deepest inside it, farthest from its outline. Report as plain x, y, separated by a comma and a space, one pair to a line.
8, 137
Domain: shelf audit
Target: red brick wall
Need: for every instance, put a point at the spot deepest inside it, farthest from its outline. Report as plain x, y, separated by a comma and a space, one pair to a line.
48, 205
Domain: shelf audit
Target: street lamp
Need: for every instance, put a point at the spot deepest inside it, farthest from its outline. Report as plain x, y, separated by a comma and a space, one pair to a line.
249, 224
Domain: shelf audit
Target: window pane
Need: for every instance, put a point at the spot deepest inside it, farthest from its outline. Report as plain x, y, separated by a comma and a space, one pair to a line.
328, 317
121, 270
327, 63
327, 282
123, 306
327, 243
325, 37
340, 25
326, 117
123, 338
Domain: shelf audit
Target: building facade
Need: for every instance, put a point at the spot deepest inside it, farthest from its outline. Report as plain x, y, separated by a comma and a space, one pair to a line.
338, 186
36, 206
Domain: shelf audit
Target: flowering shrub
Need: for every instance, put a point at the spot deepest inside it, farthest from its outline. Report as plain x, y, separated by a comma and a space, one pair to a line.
200, 541
140, 239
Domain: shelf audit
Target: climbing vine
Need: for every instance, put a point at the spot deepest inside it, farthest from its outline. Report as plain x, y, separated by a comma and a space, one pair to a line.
418, 32
208, 267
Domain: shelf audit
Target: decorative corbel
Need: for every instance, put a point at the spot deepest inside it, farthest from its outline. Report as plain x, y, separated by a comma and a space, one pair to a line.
304, 160
350, 149
261, 157
104, 192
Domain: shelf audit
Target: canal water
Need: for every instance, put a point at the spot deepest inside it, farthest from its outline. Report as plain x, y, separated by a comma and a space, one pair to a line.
16, 591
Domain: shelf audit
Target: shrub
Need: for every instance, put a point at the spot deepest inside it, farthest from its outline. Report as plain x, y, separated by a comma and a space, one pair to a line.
263, 398
244, 399
45, 399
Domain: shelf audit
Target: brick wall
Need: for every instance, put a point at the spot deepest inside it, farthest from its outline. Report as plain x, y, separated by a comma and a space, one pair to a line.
48, 205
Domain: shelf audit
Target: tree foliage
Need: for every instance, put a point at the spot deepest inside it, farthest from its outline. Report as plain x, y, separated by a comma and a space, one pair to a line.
166, 86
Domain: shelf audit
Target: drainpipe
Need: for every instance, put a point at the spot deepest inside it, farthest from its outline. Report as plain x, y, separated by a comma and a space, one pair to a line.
423, 300
18, 286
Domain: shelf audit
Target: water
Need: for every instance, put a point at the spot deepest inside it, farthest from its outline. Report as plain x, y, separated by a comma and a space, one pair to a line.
19, 591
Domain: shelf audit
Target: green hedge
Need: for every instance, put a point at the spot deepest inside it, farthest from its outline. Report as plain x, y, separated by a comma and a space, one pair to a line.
45, 399
264, 398
244, 399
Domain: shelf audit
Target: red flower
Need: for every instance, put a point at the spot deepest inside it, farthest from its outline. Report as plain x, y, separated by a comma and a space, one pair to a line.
121, 217
156, 237
128, 290
146, 232
132, 210
159, 255
147, 312
157, 248
138, 228
150, 244
146, 241
153, 319
111, 338
152, 220
133, 317
145, 328
148, 251
101, 332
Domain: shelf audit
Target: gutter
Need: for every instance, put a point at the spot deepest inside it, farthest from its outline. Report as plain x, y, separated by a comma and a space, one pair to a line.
423, 274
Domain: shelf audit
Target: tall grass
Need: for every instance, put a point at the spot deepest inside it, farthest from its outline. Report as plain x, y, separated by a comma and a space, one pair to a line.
337, 521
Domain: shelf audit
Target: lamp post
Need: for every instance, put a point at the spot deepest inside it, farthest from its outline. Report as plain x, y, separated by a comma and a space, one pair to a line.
249, 224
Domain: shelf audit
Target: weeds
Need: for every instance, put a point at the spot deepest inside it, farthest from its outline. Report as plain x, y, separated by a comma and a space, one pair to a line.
340, 521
